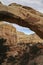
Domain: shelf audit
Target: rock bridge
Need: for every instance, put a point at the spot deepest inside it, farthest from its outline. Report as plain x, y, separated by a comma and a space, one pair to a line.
13, 54
23, 16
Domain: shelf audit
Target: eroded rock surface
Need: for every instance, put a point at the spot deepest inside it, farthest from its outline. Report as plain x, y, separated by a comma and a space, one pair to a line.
32, 38
24, 16
20, 53
8, 32
8, 39
13, 53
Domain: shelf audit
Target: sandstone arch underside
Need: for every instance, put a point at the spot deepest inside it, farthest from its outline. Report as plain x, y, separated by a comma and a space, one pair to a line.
23, 17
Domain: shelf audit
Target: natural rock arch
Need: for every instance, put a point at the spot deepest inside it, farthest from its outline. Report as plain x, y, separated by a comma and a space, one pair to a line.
22, 16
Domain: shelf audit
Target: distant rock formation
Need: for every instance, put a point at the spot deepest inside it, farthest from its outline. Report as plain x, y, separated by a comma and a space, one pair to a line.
24, 16
32, 38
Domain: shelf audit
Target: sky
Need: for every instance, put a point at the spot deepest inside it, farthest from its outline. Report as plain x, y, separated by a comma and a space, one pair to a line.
36, 4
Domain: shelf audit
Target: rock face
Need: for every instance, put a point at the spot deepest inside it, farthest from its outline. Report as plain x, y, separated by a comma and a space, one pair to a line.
8, 41
24, 16
32, 38
8, 32
13, 53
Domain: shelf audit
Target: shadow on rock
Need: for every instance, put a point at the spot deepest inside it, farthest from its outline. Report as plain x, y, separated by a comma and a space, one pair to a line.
3, 49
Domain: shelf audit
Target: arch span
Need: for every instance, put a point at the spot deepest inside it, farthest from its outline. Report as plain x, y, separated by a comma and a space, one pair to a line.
22, 17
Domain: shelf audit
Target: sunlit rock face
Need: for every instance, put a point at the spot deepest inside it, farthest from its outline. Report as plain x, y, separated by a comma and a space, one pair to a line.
32, 38
24, 16
8, 32
8, 40
11, 52
14, 53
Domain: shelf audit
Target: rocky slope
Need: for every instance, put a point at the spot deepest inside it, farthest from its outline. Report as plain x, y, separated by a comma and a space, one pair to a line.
13, 53
33, 38
24, 16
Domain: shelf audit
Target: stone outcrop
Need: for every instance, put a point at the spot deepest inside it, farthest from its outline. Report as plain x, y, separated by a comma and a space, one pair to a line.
8, 41
13, 53
8, 32
32, 38
24, 16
